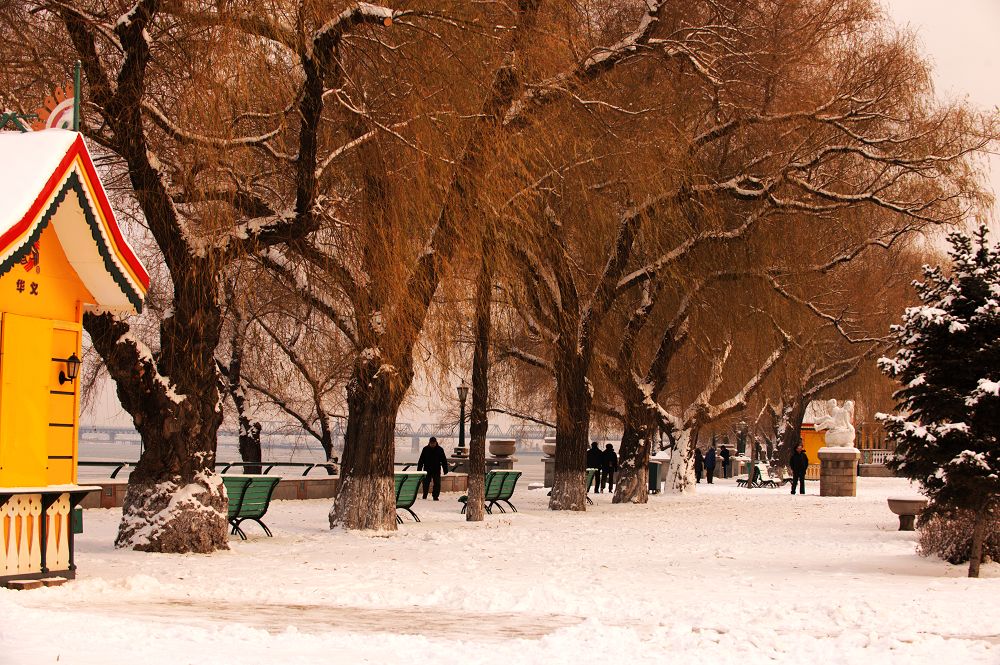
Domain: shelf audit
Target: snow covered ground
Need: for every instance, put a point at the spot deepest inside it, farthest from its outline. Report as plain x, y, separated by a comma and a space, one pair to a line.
726, 575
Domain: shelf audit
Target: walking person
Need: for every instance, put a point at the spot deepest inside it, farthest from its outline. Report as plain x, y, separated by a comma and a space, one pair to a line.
699, 464
434, 462
710, 464
799, 462
595, 460
724, 456
609, 466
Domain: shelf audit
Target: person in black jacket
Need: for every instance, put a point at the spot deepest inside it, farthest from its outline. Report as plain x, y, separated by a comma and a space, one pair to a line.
609, 465
433, 461
710, 464
724, 456
595, 460
699, 464
799, 463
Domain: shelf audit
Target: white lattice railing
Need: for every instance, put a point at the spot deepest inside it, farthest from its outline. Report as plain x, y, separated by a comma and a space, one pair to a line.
875, 456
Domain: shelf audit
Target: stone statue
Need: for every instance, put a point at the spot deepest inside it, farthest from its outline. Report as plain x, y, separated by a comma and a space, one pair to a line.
838, 424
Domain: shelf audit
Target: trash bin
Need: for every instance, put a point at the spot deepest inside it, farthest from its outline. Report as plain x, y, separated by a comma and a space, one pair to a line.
654, 477
76, 520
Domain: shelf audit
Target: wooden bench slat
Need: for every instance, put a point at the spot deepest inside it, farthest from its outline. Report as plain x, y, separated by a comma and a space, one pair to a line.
249, 498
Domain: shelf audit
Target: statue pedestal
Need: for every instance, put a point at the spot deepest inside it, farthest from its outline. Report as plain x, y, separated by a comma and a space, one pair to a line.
838, 474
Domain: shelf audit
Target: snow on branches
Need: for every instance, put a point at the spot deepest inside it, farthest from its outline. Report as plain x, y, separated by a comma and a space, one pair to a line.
947, 426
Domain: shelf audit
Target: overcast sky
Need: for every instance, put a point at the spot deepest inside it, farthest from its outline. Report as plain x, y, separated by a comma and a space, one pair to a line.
960, 38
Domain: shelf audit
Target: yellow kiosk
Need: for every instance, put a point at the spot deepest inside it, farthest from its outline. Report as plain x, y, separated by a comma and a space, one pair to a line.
61, 253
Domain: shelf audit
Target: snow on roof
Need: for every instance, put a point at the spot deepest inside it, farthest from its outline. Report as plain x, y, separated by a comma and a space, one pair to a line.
48, 177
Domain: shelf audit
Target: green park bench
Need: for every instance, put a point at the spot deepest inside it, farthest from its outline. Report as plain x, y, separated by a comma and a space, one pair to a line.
500, 484
590, 483
407, 486
759, 476
249, 498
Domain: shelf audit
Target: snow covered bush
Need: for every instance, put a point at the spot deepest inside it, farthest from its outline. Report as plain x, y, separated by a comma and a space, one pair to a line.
947, 418
950, 537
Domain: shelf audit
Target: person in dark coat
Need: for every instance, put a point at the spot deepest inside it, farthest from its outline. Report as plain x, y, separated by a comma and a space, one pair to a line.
799, 462
699, 464
595, 460
433, 461
710, 464
724, 456
609, 465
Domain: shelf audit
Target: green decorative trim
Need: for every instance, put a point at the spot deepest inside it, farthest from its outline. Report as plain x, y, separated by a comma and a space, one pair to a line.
73, 184
16, 120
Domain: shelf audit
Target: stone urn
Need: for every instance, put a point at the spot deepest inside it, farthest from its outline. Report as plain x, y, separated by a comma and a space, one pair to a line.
502, 447
907, 507
549, 447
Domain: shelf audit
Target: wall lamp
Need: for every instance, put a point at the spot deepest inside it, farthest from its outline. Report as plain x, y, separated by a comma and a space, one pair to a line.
72, 370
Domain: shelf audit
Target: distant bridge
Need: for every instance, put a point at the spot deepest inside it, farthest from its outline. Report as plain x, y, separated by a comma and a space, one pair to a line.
285, 435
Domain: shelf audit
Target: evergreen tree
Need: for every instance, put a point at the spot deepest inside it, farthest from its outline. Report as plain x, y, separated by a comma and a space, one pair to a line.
948, 410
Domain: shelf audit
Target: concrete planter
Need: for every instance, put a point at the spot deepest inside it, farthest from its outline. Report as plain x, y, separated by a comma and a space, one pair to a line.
549, 447
502, 447
907, 507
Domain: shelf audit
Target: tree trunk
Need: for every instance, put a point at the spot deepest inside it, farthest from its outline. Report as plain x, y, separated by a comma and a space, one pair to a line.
475, 506
789, 429
249, 442
633, 467
249, 431
680, 475
978, 535
365, 496
175, 502
573, 397
633, 457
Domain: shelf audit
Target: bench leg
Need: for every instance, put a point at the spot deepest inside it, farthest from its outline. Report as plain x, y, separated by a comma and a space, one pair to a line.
464, 506
510, 504
399, 520
237, 530
264, 526
590, 502
412, 513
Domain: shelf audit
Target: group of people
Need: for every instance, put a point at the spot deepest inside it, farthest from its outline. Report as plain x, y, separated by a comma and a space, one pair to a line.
606, 463
434, 461
704, 463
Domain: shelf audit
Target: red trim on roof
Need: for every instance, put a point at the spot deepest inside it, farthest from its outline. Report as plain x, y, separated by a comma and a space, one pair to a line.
102, 201
15, 232
79, 148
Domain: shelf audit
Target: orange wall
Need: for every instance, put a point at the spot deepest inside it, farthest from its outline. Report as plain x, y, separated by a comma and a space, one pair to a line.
41, 308
59, 292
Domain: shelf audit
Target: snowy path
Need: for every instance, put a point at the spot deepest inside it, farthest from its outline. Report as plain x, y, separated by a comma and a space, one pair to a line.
727, 574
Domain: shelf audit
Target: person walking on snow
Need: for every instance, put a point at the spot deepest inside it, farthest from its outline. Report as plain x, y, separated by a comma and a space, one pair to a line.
595, 460
799, 462
724, 455
699, 464
710, 464
433, 461
609, 465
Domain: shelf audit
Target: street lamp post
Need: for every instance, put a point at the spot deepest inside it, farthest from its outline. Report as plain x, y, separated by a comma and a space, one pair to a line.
463, 392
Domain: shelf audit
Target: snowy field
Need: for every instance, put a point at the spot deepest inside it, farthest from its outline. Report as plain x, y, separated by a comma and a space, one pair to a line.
725, 575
